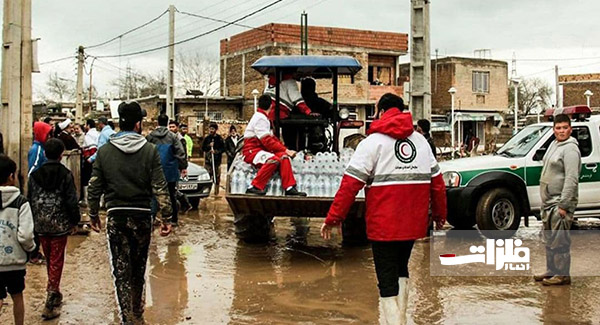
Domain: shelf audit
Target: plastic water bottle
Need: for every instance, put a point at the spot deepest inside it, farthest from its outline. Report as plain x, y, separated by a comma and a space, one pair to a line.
277, 186
327, 188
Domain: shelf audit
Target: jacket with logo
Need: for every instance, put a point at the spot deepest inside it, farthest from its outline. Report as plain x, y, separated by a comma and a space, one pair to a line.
16, 229
402, 177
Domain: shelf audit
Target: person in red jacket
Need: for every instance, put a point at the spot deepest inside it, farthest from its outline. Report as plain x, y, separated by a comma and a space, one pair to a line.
264, 151
402, 177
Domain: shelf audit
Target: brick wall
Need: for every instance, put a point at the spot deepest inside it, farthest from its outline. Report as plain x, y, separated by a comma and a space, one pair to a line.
458, 73
329, 36
575, 85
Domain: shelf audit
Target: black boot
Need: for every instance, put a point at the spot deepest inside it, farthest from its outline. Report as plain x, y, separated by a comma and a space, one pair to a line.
294, 192
255, 191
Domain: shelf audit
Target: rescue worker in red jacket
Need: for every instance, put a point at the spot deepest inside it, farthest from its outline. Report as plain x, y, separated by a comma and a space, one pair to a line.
264, 151
402, 177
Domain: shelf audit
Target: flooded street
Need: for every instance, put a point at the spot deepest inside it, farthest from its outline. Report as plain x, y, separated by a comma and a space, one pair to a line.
202, 275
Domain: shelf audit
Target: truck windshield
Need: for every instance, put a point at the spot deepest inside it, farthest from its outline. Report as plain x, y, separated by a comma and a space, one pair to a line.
520, 144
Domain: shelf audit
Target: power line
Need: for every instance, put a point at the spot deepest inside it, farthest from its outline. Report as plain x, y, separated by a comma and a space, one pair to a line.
193, 37
58, 60
129, 31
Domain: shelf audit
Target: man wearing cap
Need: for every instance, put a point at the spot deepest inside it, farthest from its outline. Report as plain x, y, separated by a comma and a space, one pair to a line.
128, 172
105, 133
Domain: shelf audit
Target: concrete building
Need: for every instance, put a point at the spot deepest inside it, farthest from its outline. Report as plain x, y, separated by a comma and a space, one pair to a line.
377, 52
481, 95
191, 110
574, 86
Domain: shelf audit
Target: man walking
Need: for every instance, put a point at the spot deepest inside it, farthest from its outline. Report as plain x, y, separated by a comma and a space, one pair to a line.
423, 127
128, 171
559, 186
189, 143
172, 157
231, 145
213, 147
402, 177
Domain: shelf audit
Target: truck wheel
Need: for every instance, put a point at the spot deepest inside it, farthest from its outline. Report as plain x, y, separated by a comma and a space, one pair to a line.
354, 231
194, 202
498, 209
461, 222
253, 228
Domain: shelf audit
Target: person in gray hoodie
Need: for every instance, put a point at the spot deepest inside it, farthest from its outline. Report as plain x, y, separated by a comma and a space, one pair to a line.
16, 238
127, 171
559, 186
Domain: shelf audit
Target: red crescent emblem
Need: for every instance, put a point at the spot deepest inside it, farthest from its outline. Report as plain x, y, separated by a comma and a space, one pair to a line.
402, 149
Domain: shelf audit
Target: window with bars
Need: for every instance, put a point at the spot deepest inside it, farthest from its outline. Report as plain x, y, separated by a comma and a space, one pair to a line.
481, 81
212, 115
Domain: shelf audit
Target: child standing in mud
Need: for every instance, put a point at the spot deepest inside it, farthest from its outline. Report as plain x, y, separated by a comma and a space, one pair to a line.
53, 198
16, 227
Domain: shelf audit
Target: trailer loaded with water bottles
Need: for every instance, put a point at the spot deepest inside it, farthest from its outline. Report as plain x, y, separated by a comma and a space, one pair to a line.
318, 172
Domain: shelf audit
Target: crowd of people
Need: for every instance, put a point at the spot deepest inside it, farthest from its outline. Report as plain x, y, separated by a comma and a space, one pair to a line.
136, 178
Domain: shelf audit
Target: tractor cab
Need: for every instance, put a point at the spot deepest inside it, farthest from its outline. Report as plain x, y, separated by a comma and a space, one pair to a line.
309, 132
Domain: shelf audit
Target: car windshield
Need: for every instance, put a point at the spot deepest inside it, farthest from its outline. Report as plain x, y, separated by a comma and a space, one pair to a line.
520, 144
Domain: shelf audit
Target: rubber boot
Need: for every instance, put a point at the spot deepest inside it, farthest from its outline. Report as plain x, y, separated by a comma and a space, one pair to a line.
402, 299
388, 311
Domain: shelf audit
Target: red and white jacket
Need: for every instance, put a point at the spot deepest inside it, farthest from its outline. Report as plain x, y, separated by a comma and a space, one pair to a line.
289, 97
259, 142
402, 177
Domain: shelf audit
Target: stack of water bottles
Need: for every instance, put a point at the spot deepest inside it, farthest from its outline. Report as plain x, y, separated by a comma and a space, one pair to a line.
319, 175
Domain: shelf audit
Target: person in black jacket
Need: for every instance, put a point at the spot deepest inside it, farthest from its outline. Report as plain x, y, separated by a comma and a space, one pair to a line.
1, 144
423, 127
231, 145
213, 147
128, 172
53, 200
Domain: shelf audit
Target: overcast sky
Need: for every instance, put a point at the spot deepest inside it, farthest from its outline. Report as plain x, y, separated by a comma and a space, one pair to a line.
554, 31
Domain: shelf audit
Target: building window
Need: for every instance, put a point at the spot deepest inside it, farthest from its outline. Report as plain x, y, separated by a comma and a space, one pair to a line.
212, 116
481, 82
345, 79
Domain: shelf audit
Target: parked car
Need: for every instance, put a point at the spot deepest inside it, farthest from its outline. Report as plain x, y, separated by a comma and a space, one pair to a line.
196, 185
495, 191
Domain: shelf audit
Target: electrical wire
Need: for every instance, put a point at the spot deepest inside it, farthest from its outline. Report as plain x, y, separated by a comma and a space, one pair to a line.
58, 60
129, 31
193, 37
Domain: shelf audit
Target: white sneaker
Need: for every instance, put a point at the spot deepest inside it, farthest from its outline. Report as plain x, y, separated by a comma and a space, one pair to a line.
402, 299
388, 311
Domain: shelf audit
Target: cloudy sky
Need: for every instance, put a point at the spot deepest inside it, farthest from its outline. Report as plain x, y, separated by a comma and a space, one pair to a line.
541, 33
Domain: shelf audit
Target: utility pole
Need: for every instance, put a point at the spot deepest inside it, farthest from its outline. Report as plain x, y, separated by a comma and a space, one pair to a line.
304, 33
17, 58
79, 100
171, 65
91, 87
420, 61
558, 101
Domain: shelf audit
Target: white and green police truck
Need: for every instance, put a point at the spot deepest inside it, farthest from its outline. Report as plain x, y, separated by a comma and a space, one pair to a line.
496, 191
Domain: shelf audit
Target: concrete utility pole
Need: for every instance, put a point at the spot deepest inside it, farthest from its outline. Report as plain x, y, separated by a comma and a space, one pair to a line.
420, 61
558, 102
171, 65
91, 87
16, 116
79, 100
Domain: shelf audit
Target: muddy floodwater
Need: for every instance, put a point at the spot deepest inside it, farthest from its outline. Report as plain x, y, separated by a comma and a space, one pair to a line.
202, 274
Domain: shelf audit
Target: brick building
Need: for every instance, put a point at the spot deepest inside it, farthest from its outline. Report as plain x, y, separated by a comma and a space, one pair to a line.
377, 52
573, 87
481, 94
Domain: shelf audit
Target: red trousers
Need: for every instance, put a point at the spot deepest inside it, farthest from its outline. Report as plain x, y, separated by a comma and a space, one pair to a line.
267, 170
54, 249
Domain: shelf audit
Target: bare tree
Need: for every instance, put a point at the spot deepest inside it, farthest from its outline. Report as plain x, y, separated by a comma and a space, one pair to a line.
198, 72
135, 84
59, 89
529, 91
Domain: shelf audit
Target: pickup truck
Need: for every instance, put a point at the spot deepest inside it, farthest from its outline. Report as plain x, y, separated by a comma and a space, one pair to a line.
495, 191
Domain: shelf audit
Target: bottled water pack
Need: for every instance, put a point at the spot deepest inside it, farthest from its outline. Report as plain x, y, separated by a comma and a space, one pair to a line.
319, 175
